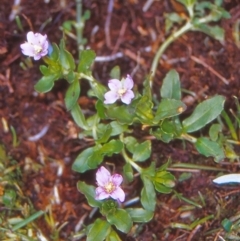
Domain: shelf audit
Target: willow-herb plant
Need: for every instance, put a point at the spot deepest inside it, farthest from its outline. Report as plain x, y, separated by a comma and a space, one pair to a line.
120, 110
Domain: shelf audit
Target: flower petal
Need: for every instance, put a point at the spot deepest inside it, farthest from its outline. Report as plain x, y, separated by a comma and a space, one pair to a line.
110, 97
27, 49
101, 194
41, 38
31, 37
45, 47
116, 179
127, 97
102, 176
128, 83
37, 56
119, 194
114, 84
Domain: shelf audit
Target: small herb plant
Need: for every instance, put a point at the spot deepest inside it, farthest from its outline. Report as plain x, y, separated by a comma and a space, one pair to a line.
121, 110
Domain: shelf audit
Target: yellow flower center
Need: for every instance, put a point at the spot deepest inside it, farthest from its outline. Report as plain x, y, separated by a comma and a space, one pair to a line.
109, 187
121, 91
37, 48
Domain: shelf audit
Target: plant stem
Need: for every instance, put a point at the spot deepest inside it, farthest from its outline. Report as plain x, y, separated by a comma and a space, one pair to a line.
166, 43
79, 25
128, 159
131, 162
189, 138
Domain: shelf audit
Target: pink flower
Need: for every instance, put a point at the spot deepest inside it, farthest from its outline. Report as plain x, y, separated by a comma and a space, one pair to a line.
108, 186
119, 90
36, 45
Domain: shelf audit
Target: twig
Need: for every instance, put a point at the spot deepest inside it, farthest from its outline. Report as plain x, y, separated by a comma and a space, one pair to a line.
147, 5
194, 231
107, 23
137, 65
108, 58
121, 34
134, 56
6, 80
28, 21
199, 61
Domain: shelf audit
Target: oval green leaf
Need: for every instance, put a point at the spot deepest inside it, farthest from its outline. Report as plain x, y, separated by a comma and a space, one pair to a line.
140, 215
168, 108
148, 195
209, 148
72, 94
142, 151
99, 231
89, 192
204, 113
45, 84
121, 219
171, 88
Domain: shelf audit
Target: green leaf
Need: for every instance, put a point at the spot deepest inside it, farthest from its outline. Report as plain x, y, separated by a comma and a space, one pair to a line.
100, 109
144, 110
99, 231
113, 236
140, 215
87, 159
9, 197
130, 143
86, 15
204, 113
79, 117
168, 108
97, 90
115, 72
72, 94
117, 128
142, 151
96, 158
161, 135
128, 172
147, 90
121, 219
150, 171
209, 148
103, 132
108, 206
114, 146
45, 84
71, 77
27, 220
213, 31
66, 59
163, 180
162, 189
170, 19
126, 117
55, 52
148, 194
45, 70
171, 88
214, 131
67, 25
89, 193
86, 60
227, 224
